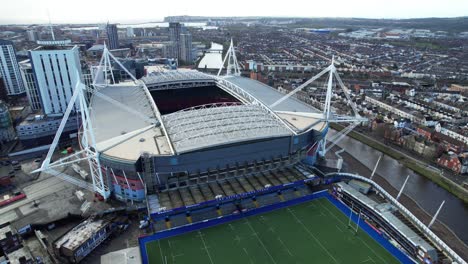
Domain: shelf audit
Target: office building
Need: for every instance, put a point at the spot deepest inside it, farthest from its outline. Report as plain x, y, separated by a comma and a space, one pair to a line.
175, 29
57, 70
7, 132
130, 32
181, 40
170, 50
30, 84
112, 36
32, 35
9, 69
186, 47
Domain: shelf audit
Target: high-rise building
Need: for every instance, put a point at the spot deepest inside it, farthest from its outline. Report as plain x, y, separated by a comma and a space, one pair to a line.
182, 40
32, 35
112, 36
9, 69
57, 70
170, 50
3, 91
7, 132
186, 47
130, 32
175, 29
31, 85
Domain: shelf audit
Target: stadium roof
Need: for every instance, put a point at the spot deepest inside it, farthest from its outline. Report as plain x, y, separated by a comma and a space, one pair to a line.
214, 125
215, 47
211, 60
269, 95
111, 124
159, 78
126, 132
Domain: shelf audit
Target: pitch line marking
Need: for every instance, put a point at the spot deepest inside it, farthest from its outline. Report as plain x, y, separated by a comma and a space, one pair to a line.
272, 229
247, 253
368, 259
333, 214
160, 251
312, 235
175, 256
358, 237
204, 245
259, 240
339, 228
373, 251
285, 247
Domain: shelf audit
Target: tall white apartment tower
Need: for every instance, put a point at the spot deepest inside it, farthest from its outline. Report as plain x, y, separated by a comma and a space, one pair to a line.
30, 84
9, 69
57, 70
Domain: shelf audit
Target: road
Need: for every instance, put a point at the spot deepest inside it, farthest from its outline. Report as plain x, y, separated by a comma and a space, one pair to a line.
44, 186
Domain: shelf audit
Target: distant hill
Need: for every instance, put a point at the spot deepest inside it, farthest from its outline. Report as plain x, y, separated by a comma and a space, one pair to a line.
457, 24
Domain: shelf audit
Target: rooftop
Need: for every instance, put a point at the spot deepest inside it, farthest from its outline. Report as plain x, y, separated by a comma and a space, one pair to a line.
4, 231
175, 76
303, 121
80, 234
193, 128
109, 127
214, 125
54, 47
211, 61
15, 256
388, 216
269, 95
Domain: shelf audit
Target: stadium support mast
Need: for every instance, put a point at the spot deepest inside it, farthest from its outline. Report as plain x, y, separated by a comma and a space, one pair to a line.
232, 67
328, 116
90, 152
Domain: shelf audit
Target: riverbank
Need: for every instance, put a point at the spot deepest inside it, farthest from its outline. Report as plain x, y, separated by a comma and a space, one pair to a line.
353, 165
410, 163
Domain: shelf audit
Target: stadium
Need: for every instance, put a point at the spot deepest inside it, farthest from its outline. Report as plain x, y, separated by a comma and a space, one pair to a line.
209, 128
213, 165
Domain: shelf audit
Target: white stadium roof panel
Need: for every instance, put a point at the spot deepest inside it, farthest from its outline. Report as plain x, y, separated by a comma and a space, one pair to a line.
111, 124
211, 126
175, 76
124, 134
211, 61
269, 95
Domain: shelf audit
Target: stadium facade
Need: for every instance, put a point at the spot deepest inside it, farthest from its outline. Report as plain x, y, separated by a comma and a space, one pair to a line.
209, 126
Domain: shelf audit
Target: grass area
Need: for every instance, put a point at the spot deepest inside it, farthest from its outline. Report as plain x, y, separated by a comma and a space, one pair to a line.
440, 180
312, 232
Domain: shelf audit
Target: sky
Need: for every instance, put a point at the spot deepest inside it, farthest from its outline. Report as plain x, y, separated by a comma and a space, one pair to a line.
124, 11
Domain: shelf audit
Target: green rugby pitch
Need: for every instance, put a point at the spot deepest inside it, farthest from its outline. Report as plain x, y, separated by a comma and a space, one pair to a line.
312, 232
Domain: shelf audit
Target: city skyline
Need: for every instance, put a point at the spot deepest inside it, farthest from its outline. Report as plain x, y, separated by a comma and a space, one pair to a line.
28, 11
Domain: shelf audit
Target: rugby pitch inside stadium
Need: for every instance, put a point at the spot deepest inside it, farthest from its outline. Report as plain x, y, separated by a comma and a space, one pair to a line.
311, 232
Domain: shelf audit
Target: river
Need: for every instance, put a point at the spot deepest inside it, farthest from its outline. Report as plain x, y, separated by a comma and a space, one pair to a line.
427, 194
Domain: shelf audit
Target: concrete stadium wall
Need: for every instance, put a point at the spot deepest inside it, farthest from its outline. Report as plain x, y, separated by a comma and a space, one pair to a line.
222, 156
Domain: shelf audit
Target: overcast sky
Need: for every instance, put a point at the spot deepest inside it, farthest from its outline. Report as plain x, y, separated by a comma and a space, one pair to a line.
127, 11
